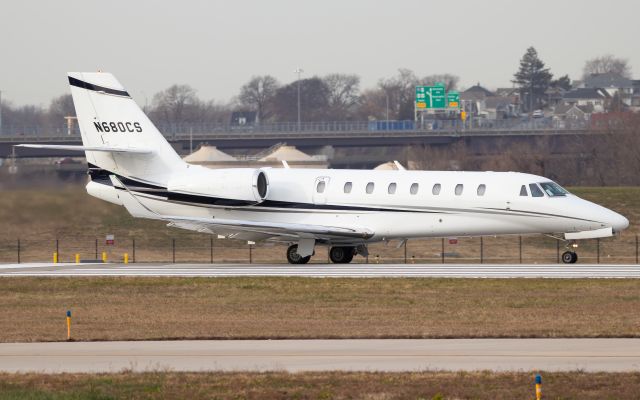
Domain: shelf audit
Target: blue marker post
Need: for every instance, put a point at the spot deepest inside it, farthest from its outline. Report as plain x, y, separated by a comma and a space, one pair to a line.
538, 387
68, 324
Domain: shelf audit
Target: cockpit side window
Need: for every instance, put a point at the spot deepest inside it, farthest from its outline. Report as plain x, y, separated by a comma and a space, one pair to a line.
535, 190
523, 190
552, 189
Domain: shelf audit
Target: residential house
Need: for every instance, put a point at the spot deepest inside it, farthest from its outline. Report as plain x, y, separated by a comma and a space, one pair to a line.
572, 115
612, 83
597, 98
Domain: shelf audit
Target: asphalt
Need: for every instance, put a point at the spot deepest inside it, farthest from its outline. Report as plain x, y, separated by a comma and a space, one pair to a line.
611, 355
329, 270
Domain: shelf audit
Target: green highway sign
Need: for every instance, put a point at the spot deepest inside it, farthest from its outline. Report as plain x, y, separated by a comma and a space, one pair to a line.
430, 97
453, 99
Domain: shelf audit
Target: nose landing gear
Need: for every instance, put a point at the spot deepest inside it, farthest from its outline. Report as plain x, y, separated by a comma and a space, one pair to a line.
569, 257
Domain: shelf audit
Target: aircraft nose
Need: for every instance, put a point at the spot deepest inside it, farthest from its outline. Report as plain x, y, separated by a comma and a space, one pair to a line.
618, 222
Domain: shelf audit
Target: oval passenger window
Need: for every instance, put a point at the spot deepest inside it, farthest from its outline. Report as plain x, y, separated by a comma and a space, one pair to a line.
414, 188
392, 188
320, 187
347, 187
436, 189
370, 187
481, 189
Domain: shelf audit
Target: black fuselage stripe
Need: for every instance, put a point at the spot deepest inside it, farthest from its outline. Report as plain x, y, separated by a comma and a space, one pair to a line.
89, 86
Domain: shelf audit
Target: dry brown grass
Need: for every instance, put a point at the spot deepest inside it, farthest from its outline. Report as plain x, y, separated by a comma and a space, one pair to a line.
33, 309
77, 219
320, 385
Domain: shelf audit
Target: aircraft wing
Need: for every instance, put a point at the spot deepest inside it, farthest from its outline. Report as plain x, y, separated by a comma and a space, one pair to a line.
279, 229
260, 228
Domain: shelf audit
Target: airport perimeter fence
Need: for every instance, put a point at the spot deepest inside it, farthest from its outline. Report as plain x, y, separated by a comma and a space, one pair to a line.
194, 248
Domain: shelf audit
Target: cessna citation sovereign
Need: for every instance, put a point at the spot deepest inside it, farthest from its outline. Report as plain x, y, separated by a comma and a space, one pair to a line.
131, 164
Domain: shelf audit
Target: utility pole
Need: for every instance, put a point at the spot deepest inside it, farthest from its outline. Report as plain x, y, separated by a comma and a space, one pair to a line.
0, 112
298, 71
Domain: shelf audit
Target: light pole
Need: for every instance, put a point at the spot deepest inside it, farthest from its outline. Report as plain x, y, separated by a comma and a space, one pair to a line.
387, 114
298, 71
0, 112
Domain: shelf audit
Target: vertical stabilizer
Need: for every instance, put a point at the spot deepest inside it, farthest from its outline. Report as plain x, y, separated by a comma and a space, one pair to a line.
109, 117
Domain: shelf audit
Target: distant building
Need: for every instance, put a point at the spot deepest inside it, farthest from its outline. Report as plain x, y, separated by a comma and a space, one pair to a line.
240, 118
477, 93
572, 114
612, 84
597, 98
500, 107
211, 157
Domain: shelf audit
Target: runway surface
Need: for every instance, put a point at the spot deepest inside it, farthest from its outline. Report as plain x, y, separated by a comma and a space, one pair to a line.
324, 355
328, 270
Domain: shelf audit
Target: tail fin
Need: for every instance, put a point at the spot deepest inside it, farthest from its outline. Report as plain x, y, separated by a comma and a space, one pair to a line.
108, 117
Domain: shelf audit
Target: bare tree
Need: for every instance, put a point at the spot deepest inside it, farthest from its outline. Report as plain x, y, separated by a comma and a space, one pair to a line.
400, 90
171, 104
257, 93
60, 107
343, 94
607, 64
314, 100
450, 81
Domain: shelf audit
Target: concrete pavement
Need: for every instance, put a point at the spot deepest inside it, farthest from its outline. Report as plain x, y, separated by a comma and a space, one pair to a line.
612, 355
329, 270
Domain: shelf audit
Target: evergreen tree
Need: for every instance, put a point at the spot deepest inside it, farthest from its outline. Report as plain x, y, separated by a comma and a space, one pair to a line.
533, 79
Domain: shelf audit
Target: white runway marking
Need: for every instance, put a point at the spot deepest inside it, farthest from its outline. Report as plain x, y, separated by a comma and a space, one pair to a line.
328, 270
326, 355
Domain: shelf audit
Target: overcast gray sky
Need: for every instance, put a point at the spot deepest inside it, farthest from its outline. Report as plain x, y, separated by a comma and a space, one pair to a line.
216, 46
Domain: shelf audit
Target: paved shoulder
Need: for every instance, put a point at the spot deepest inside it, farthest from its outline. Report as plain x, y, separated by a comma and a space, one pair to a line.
321, 355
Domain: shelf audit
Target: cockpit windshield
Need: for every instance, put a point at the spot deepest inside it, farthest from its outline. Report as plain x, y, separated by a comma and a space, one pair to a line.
552, 189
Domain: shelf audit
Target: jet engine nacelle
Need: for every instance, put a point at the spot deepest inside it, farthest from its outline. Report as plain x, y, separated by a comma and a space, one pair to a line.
242, 184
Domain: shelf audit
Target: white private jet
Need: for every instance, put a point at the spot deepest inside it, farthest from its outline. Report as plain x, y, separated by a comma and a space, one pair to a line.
131, 164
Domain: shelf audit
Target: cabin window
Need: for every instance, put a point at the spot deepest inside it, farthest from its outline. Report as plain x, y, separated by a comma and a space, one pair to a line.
459, 188
481, 189
370, 186
347, 187
414, 188
392, 188
552, 189
436, 189
523, 190
320, 186
535, 190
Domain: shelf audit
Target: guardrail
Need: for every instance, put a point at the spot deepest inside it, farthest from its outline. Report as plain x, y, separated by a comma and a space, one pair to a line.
284, 129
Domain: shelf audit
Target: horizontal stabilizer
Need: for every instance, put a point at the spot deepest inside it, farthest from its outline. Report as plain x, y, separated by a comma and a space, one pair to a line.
87, 148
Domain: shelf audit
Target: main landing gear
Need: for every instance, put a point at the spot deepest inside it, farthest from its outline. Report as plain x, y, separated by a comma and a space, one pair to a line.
337, 254
341, 254
294, 258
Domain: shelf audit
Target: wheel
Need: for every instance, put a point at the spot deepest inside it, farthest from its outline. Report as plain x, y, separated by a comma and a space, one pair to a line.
569, 257
341, 255
294, 258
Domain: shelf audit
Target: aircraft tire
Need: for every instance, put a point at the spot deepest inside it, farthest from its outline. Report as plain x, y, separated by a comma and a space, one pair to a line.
341, 254
569, 257
294, 258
